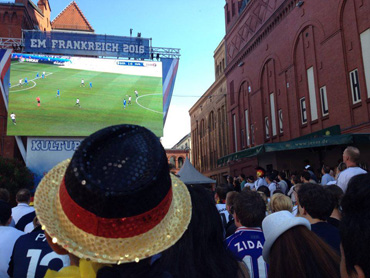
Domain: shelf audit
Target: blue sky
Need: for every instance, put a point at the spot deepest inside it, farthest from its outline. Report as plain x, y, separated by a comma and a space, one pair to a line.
197, 27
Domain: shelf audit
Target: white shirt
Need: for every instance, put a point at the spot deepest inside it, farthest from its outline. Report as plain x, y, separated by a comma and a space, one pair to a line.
20, 210
283, 186
259, 182
8, 237
82, 81
20, 81
272, 188
250, 185
78, 100
12, 116
346, 175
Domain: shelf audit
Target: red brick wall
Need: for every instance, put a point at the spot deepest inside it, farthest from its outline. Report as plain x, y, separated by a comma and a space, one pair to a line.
273, 43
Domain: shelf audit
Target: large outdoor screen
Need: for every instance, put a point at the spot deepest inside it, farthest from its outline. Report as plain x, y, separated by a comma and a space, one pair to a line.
76, 96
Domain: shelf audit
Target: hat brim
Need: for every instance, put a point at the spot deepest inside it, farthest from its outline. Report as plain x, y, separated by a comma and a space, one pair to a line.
278, 231
109, 250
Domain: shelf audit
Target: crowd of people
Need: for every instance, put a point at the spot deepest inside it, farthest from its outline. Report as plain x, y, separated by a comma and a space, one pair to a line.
114, 210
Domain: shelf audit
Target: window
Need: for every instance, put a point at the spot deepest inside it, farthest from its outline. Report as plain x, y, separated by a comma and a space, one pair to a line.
273, 116
303, 110
247, 127
235, 134
355, 86
267, 127
232, 92
280, 114
312, 93
324, 101
365, 46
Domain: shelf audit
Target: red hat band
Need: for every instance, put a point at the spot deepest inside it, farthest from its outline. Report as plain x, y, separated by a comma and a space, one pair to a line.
113, 227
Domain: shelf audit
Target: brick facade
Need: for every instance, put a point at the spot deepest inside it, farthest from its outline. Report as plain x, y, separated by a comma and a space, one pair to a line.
295, 67
176, 158
209, 123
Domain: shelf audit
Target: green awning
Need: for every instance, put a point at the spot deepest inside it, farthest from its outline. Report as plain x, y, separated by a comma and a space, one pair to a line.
311, 142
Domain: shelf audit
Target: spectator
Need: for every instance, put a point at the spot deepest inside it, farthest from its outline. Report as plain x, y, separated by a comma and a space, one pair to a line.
341, 167
4, 195
200, 252
355, 228
272, 185
325, 170
309, 169
295, 179
247, 242
250, 183
8, 237
236, 185
23, 213
336, 194
242, 181
316, 206
220, 198
292, 250
230, 226
351, 156
306, 177
118, 173
260, 181
283, 183
280, 202
295, 195
32, 256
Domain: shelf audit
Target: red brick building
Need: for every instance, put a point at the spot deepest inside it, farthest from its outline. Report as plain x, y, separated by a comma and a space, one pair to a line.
294, 68
209, 130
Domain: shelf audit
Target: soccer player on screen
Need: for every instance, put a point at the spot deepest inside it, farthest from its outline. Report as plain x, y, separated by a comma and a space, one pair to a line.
38, 101
37, 75
78, 102
58, 93
90, 85
137, 94
124, 103
129, 99
43, 75
12, 116
20, 82
82, 83
25, 81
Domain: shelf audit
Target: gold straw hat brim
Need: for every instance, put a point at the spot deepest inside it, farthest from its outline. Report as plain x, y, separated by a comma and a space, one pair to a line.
109, 250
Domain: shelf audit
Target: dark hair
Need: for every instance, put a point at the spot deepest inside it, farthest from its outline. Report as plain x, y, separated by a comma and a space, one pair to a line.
298, 252
336, 194
296, 179
230, 198
23, 196
250, 208
251, 178
342, 166
236, 185
282, 175
5, 212
355, 225
306, 175
242, 176
264, 189
200, 252
315, 200
326, 169
4, 195
221, 191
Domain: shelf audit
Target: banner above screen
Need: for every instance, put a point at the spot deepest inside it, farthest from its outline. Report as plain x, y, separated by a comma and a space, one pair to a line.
86, 44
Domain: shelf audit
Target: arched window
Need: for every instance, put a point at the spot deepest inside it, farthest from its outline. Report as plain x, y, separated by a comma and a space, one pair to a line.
173, 160
180, 162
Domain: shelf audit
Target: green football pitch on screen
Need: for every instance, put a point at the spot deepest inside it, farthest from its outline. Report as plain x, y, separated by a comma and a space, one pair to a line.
80, 109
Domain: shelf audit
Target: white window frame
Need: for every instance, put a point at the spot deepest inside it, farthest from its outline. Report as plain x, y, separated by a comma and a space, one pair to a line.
273, 115
355, 86
302, 102
312, 94
247, 127
324, 101
267, 128
235, 133
365, 46
280, 115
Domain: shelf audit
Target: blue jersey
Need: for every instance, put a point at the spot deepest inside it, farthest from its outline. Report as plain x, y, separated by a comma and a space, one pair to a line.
58, 92
32, 256
124, 102
25, 80
90, 85
246, 245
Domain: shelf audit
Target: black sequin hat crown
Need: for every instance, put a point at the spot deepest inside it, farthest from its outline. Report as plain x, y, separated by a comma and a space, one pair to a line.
115, 201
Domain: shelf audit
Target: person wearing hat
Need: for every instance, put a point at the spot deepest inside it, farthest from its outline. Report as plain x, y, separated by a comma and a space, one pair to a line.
247, 242
113, 203
292, 250
260, 173
8, 237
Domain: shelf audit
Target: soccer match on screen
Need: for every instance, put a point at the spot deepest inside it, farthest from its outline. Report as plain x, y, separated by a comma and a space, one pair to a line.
76, 96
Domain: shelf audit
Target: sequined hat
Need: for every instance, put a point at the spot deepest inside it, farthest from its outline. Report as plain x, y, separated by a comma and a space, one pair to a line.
114, 201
